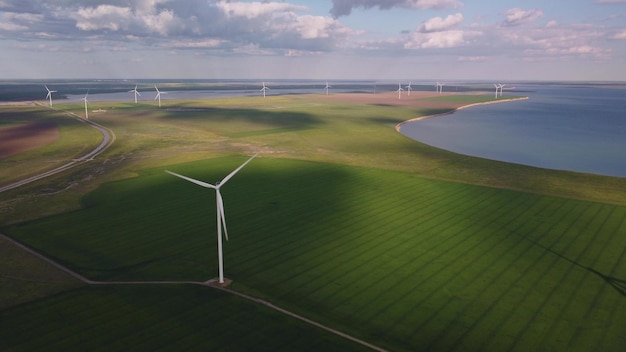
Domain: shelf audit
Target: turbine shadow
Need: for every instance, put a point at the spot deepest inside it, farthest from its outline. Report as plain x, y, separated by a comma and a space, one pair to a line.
618, 284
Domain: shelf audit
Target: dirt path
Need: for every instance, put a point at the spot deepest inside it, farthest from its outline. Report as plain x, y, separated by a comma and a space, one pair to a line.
209, 283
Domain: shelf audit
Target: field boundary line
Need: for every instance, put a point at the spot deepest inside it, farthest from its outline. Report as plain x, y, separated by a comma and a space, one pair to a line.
209, 283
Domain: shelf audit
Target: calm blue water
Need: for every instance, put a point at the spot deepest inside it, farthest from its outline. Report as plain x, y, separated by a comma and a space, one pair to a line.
576, 128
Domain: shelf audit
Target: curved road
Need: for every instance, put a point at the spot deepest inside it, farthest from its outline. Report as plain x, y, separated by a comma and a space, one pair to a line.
107, 140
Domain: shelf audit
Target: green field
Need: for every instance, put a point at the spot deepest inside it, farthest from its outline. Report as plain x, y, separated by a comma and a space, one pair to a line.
342, 220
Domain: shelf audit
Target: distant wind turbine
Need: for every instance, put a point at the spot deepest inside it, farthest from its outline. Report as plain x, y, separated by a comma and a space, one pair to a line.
495, 85
158, 95
135, 92
86, 111
327, 87
264, 89
399, 90
440, 87
501, 86
221, 220
49, 95
408, 89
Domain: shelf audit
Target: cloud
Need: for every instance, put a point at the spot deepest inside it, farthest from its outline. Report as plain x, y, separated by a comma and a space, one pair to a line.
517, 16
438, 24
446, 39
344, 7
611, 1
620, 35
268, 25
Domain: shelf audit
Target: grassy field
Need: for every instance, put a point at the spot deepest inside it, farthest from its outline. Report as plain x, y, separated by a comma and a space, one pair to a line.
75, 139
343, 220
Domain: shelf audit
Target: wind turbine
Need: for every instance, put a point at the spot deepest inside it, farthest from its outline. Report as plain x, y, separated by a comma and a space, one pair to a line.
327, 87
158, 95
86, 111
440, 87
399, 90
264, 89
408, 89
221, 220
495, 85
136, 92
501, 86
49, 95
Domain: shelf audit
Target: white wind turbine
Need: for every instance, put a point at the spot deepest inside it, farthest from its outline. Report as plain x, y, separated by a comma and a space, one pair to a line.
158, 95
327, 87
221, 220
86, 111
440, 87
408, 89
49, 95
501, 86
497, 87
399, 90
264, 89
135, 92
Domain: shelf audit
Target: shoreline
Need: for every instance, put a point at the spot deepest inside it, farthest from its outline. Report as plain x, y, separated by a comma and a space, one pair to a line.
399, 126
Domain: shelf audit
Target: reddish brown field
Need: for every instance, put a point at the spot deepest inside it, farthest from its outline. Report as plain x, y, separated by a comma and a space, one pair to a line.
18, 139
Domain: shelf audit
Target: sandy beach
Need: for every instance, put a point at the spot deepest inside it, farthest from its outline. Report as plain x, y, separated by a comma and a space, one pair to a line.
398, 126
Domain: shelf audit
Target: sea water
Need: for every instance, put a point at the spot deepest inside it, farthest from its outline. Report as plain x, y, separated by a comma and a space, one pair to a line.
567, 127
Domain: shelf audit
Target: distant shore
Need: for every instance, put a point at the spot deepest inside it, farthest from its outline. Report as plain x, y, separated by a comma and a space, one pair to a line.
398, 126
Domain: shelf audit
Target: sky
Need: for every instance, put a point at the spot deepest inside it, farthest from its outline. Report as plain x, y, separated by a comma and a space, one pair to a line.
506, 40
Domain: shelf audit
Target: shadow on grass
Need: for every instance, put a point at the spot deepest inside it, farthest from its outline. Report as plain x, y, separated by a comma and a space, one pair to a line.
618, 284
291, 119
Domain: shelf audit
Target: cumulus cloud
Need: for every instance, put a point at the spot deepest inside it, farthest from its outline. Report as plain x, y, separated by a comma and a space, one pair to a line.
439, 40
201, 23
438, 24
517, 16
344, 7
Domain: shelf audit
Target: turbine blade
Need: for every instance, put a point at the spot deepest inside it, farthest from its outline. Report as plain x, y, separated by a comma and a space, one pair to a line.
220, 203
200, 183
235, 171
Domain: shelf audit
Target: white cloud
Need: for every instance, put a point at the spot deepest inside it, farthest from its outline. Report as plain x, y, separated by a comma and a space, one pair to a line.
517, 16
438, 24
344, 7
447, 39
255, 9
270, 25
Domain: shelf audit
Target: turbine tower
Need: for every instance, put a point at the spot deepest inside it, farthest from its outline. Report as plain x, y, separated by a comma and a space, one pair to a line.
399, 90
327, 87
221, 220
501, 86
49, 95
408, 89
495, 85
264, 89
86, 111
440, 87
158, 95
135, 92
